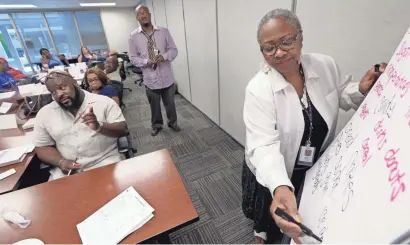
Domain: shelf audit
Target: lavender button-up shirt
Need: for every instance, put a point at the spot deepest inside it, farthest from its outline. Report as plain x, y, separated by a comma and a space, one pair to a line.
162, 77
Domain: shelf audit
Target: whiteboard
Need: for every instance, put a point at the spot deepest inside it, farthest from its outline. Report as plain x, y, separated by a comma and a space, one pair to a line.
358, 190
239, 56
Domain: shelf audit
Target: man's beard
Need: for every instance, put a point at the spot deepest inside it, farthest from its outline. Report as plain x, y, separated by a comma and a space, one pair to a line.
74, 101
146, 25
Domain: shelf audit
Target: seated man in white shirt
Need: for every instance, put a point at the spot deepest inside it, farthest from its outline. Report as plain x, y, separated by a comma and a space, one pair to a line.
78, 130
111, 68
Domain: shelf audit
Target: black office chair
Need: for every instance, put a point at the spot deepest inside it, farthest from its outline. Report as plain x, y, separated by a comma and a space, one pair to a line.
119, 86
126, 147
130, 68
123, 76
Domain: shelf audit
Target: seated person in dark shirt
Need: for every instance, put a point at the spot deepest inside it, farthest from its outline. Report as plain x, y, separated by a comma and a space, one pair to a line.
99, 83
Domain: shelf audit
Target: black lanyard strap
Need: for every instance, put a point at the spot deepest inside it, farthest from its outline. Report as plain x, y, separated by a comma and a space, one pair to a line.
308, 109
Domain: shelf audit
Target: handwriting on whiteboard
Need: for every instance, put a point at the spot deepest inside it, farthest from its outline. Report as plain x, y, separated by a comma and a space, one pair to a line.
381, 134
365, 151
404, 52
386, 106
395, 177
398, 80
322, 223
364, 112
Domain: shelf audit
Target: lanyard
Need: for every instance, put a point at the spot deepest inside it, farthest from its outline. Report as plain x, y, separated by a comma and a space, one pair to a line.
308, 109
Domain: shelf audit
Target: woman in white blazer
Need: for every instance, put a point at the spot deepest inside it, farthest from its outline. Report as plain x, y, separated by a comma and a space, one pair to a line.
290, 112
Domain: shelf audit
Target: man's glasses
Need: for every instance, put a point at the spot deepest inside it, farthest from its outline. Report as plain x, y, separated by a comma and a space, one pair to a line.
285, 45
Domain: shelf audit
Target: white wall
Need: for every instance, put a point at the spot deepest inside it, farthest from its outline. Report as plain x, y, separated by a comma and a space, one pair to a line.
357, 34
150, 5
239, 56
200, 24
176, 26
118, 24
160, 15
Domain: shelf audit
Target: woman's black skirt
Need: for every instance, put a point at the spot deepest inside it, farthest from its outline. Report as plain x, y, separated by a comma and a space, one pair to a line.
256, 201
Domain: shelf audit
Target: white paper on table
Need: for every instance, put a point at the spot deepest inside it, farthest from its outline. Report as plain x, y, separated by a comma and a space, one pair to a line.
5, 107
59, 68
33, 89
7, 95
8, 121
82, 65
29, 124
116, 220
14, 155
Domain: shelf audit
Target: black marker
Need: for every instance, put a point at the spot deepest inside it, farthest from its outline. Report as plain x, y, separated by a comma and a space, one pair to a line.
376, 68
289, 218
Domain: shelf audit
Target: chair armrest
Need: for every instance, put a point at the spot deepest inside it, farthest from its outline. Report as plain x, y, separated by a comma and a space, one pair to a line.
123, 144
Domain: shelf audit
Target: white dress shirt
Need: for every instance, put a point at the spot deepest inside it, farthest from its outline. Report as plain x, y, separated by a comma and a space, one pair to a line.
274, 120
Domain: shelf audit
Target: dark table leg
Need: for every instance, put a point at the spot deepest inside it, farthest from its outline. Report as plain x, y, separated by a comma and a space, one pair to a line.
163, 238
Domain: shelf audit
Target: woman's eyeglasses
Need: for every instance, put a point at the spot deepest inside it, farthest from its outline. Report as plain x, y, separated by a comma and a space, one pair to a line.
285, 45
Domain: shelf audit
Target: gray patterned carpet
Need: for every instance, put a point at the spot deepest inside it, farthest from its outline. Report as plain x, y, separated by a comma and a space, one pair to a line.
209, 162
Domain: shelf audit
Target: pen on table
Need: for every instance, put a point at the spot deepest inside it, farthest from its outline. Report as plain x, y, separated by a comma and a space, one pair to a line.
289, 218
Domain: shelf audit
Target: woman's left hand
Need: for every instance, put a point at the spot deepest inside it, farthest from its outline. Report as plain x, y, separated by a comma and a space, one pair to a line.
370, 78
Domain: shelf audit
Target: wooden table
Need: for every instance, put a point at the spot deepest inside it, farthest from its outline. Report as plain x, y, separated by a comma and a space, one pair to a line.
10, 138
56, 207
11, 183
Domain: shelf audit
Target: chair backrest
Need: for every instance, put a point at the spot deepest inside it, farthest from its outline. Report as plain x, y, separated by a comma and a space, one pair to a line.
122, 72
119, 86
136, 70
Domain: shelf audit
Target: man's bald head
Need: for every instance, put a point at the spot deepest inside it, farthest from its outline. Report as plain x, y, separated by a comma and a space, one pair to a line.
143, 15
141, 7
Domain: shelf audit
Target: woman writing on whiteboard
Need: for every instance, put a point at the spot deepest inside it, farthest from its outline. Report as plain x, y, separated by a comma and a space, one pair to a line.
290, 112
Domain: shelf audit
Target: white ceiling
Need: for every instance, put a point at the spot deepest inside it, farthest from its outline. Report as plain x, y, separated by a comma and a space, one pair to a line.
68, 4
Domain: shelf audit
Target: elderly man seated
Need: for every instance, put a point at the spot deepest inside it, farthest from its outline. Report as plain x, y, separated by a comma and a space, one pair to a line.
111, 68
78, 130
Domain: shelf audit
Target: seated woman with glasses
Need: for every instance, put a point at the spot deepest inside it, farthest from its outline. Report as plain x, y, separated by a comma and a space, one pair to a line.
290, 113
49, 60
86, 55
98, 83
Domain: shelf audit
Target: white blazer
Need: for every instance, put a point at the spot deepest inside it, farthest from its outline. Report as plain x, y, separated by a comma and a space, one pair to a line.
274, 120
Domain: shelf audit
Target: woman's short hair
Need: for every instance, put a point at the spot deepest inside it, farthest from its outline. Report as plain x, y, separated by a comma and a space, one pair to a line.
100, 74
43, 49
290, 17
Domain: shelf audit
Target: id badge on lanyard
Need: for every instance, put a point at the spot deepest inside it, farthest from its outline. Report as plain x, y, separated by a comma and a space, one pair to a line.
306, 155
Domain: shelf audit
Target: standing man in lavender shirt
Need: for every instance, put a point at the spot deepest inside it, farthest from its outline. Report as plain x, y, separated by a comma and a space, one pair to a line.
153, 49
